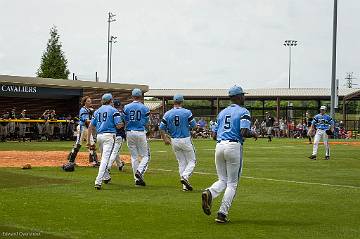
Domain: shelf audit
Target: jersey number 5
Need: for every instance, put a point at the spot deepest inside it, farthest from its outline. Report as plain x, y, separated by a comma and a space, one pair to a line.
227, 124
135, 115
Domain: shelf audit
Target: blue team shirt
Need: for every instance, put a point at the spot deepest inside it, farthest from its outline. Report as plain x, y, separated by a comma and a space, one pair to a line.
178, 122
105, 119
323, 122
121, 132
136, 116
84, 115
230, 121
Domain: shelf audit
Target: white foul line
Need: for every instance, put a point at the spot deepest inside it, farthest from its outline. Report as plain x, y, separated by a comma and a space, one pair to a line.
274, 180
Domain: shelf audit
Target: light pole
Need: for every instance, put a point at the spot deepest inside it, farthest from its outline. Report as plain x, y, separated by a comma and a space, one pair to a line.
333, 67
112, 40
111, 18
290, 44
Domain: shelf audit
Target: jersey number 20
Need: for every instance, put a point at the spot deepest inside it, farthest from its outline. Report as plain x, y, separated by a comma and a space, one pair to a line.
135, 115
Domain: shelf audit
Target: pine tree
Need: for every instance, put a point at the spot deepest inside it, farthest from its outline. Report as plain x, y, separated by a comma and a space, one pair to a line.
53, 61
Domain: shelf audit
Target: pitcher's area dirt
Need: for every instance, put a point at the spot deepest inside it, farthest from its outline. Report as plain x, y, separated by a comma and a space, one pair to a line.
44, 158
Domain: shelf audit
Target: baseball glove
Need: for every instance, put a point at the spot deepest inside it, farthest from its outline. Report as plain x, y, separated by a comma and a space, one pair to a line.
87, 123
329, 132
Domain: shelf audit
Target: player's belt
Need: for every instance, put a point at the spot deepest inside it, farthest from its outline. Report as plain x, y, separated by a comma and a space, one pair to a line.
230, 140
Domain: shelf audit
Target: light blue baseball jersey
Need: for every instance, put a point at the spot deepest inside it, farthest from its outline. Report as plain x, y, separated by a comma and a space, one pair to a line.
230, 121
84, 115
178, 122
323, 122
136, 116
105, 119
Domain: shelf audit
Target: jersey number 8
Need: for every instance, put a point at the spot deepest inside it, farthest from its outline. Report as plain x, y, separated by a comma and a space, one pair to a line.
177, 120
135, 115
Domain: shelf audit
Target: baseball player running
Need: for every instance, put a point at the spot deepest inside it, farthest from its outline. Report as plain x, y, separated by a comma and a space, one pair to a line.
233, 126
106, 120
324, 125
177, 122
85, 116
137, 118
120, 138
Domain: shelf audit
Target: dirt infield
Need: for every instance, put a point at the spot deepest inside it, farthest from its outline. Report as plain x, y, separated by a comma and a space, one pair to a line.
43, 158
353, 143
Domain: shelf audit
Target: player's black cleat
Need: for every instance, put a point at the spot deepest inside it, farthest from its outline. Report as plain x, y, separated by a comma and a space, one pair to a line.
107, 181
221, 218
140, 183
186, 183
206, 201
327, 157
121, 168
313, 157
97, 186
138, 176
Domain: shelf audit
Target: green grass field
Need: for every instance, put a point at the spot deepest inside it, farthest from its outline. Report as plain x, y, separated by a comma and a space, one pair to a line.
282, 194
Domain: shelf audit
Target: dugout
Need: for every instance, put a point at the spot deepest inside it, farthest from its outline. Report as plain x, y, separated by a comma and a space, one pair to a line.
39, 94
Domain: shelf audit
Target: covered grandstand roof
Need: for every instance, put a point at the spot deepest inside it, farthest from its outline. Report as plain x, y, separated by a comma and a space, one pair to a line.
61, 83
269, 93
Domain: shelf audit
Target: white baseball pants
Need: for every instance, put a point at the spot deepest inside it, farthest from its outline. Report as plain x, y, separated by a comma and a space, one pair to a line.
228, 160
106, 144
138, 147
116, 152
81, 134
185, 155
321, 134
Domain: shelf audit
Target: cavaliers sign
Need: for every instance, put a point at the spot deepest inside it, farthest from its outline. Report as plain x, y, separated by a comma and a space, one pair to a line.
27, 91
18, 89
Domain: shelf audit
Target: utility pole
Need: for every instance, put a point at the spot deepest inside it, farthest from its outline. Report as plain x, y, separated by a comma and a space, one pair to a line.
111, 18
349, 80
112, 40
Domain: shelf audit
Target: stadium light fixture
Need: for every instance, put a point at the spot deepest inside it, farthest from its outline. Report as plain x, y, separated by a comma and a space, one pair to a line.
290, 44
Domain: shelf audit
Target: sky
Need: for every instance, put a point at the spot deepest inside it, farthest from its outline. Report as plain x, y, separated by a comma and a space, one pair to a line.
186, 43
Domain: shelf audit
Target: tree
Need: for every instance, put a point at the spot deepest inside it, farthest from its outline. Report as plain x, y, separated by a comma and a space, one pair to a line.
53, 61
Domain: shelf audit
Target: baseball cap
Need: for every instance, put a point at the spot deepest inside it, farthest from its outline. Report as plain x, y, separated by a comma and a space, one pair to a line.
178, 97
323, 107
106, 97
236, 90
117, 102
136, 92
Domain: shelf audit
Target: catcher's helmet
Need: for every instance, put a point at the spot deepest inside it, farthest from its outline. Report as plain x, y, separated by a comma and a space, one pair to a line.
69, 167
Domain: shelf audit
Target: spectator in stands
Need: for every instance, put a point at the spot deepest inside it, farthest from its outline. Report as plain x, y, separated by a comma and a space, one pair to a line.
276, 129
282, 128
269, 122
